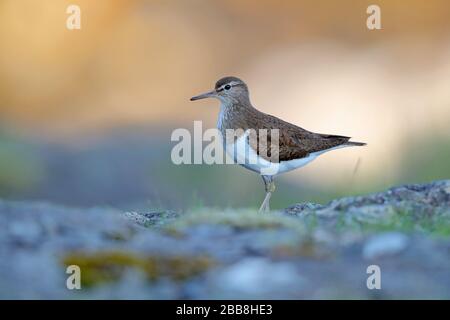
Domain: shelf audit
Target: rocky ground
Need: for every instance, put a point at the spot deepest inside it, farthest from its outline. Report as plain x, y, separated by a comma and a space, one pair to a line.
305, 251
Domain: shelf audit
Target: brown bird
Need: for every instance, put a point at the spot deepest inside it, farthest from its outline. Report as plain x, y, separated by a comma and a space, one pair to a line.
261, 142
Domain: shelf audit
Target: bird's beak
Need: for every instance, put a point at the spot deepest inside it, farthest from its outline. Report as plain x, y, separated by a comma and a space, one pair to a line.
204, 95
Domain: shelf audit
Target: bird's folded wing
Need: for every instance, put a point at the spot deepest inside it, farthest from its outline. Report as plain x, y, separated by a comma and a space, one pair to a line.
294, 142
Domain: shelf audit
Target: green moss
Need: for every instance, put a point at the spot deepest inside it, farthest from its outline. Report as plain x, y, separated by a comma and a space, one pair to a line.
109, 266
238, 219
407, 221
307, 248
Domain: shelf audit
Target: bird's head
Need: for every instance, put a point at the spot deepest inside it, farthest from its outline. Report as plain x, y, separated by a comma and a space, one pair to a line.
227, 90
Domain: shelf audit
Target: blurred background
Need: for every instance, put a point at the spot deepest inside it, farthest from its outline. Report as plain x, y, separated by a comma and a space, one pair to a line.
86, 115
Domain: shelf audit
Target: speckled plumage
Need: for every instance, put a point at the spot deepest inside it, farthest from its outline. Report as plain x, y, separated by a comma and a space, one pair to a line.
294, 142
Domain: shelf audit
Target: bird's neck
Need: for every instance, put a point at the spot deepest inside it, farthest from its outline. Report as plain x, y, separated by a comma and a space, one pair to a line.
234, 115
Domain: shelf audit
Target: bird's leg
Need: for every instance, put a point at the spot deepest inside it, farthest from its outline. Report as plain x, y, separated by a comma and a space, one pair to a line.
265, 207
270, 188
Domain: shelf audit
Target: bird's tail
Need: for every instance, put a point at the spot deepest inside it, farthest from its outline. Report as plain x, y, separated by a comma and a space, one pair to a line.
354, 143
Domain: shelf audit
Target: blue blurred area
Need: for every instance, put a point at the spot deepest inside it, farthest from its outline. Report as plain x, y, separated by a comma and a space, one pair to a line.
130, 168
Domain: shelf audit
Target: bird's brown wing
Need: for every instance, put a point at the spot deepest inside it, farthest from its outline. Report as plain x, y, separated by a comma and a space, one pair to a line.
294, 142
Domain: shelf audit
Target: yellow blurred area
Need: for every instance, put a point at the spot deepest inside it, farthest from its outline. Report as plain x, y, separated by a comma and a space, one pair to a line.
313, 63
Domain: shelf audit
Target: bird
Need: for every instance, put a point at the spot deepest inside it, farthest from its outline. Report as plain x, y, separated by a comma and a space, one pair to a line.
292, 148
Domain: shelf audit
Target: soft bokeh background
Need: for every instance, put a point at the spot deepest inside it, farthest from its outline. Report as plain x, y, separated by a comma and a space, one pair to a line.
86, 115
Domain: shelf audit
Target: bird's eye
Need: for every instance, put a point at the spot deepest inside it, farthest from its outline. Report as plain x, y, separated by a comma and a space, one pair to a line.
227, 87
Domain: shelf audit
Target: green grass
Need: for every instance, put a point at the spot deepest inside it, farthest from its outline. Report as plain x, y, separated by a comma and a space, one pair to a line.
402, 221
398, 220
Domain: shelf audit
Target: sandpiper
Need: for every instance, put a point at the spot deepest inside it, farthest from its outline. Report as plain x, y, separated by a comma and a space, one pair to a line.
295, 146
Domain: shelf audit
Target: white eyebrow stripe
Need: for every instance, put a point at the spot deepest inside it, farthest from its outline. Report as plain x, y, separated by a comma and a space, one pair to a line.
232, 83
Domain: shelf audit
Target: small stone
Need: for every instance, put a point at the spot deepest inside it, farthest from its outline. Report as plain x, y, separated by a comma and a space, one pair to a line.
27, 232
259, 277
447, 189
137, 218
385, 244
303, 208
